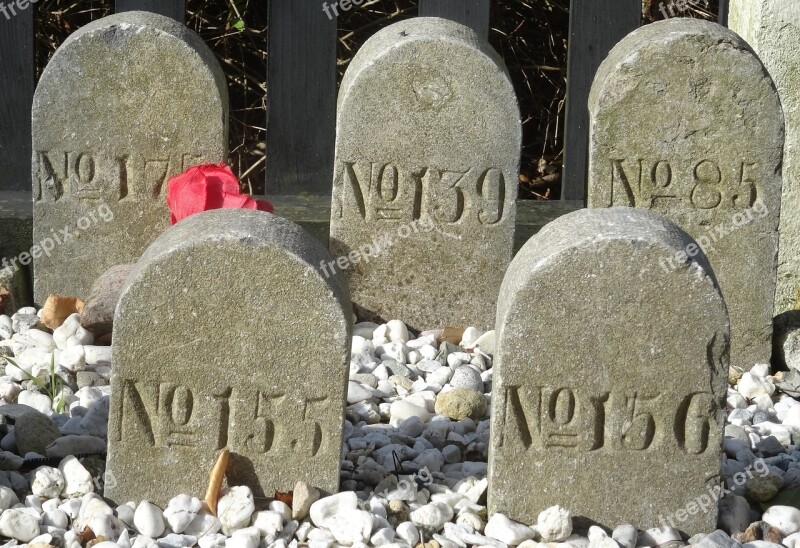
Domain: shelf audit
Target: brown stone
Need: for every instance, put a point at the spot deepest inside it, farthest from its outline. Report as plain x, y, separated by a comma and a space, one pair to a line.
98, 314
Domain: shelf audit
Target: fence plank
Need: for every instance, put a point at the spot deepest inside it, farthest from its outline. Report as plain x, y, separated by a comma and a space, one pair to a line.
171, 8
723, 12
472, 13
16, 97
301, 84
594, 28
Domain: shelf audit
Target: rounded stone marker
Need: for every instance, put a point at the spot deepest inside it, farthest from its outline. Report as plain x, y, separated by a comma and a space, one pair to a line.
686, 121
428, 142
125, 103
227, 335
772, 28
610, 375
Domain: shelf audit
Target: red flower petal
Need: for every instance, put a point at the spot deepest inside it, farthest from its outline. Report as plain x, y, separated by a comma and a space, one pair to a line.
205, 187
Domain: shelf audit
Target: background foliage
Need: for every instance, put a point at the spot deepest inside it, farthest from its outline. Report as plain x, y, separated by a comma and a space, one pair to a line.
531, 35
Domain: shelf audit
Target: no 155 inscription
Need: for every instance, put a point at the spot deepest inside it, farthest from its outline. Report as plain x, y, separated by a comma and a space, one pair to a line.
248, 421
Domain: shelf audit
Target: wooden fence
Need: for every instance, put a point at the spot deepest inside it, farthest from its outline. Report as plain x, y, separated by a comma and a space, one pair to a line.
302, 99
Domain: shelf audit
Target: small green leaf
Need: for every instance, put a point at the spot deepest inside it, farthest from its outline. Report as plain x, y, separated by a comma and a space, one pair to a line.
239, 25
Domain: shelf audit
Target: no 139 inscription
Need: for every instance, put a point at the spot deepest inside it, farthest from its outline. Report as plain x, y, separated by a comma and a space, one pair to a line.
387, 192
248, 421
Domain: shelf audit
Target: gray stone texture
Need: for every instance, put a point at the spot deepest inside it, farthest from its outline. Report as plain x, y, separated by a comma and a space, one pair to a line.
125, 103
610, 375
772, 28
97, 315
686, 121
205, 359
425, 181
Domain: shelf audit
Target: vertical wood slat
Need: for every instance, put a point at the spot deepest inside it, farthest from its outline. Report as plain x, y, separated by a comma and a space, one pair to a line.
171, 8
16, 97
301, 111
472, 13
594, 28
723, 12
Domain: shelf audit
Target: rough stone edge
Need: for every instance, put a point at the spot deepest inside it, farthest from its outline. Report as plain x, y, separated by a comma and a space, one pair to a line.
580, 228
167, 26
233, 225
414, 30
662, 32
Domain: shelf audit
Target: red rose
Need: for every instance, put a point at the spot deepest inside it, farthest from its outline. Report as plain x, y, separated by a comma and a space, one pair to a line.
205, 187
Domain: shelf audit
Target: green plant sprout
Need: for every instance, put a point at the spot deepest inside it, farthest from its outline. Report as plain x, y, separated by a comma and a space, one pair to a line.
50, 388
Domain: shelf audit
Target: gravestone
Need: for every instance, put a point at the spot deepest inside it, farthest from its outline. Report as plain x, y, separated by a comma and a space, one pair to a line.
772, 28
204, 359
125, 103
674, 129
425, 182
610, 375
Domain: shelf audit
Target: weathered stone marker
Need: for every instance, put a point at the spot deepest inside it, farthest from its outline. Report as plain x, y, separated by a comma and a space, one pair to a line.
634, 396
772, 28
676, 130
126, 102
425, 184
203, 359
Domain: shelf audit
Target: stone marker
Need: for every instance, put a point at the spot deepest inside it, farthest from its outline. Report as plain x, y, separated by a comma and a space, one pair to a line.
610, 375
675, 129
205, 359
425, 183
125, 103
772, 28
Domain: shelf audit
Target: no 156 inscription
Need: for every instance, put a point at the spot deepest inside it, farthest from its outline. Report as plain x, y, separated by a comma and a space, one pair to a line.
248, 421
548, 418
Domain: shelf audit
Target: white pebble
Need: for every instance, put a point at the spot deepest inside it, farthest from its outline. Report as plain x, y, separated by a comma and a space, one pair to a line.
751, 386
77, 479
149, 519
784, 518
432, 517
19, 525
325, 508
268, 522
71, 333
47, 482
235, 508
181, 511
396, 331
510, 532
554, 524
73, 358
408, 532
351, 526
402, 410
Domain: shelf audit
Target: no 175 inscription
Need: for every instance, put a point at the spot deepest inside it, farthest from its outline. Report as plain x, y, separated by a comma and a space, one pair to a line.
62, 174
